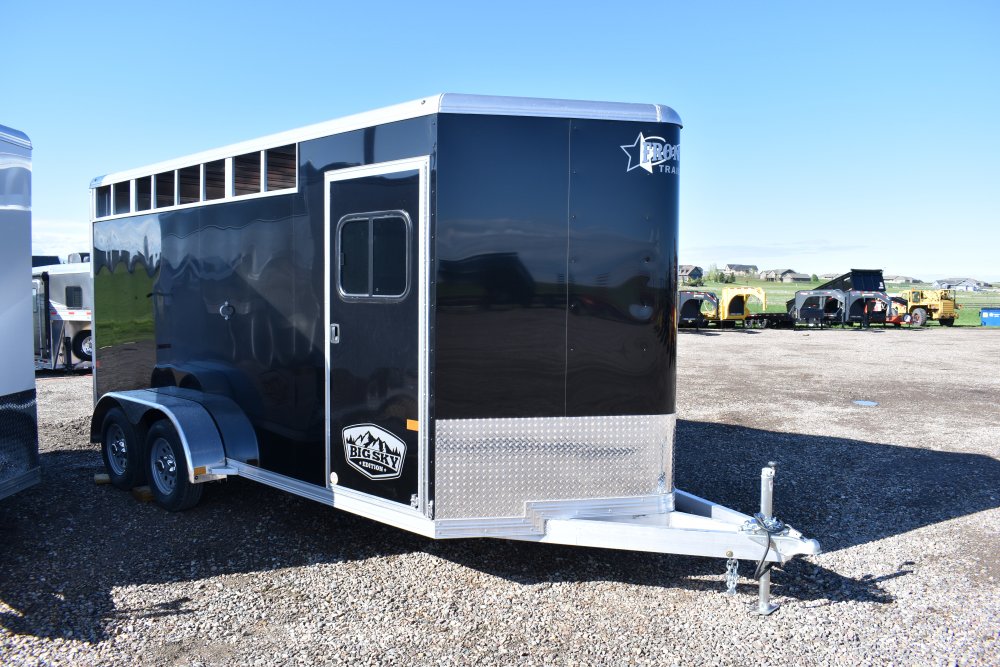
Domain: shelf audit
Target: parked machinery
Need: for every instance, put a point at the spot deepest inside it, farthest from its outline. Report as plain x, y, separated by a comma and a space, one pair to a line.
699, 309
821, 307
734, 302
927, 304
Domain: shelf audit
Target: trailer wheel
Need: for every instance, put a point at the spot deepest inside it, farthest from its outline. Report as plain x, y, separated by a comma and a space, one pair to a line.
83, 345
918, 317
121, 450
168, 473
947, 322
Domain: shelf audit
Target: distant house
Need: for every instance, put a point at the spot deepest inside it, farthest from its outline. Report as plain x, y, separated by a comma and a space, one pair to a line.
775, 275
687, 273
792, 277
831, 276
969, 285
740, 269
902, 280
960, 284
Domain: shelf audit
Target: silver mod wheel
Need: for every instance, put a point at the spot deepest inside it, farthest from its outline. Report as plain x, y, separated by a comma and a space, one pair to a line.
121, 450
117, 446
163, 466
168, 469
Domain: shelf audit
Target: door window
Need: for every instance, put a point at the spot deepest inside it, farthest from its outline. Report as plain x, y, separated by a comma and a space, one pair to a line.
374, 255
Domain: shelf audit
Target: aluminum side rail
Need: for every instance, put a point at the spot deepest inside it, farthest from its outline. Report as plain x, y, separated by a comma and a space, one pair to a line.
697, 527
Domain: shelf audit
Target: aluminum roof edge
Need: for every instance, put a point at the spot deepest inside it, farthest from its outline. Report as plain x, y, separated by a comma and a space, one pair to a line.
15, 137
442, 103
538, 106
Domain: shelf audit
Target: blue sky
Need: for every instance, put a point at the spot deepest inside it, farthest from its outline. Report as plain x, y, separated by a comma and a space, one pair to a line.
817, 137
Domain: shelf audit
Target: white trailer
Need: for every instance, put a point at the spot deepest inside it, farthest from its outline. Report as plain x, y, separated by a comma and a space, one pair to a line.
63, 297
18, 421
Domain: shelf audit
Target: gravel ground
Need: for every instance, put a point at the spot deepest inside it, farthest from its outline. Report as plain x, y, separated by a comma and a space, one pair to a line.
905, 498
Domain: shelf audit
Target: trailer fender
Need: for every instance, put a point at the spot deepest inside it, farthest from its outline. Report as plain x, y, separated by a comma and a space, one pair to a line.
210, 427
212, 379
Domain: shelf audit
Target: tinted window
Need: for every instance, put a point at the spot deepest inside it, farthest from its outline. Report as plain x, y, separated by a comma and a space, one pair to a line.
103, 201
215, 179
123, 197
388, 256
165, 189
74, 297
354, 257
373, 261
280, 167
144, 193
189, 179
246, 174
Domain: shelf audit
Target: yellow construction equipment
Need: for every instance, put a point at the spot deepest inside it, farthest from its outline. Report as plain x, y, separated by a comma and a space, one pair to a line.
930, 304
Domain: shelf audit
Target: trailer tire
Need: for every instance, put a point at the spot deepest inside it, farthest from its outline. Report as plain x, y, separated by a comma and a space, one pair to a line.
947, 322
83, 345
918, 317
122, 450
168, 470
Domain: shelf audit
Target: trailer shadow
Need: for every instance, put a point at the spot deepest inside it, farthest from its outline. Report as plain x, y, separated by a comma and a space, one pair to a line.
69, 548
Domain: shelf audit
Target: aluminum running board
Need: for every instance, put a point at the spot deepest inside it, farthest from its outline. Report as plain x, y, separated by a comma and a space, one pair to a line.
696, 528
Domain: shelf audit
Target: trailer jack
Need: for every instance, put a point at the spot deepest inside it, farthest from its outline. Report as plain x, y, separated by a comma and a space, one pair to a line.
763, 525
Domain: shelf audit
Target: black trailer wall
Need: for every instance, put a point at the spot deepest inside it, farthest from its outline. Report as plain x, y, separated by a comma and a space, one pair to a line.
556, 270
161, 279
552, 291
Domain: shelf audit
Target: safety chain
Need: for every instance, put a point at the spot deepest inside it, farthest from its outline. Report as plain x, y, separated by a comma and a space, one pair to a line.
732, 575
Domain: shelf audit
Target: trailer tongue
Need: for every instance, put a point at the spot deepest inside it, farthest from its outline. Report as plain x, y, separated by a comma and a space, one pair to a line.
457, 316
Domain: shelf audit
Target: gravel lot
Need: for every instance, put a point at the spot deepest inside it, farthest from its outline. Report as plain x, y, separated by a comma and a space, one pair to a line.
905, 498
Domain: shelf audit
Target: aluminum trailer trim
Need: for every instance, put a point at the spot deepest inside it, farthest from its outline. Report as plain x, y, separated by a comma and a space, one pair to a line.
643, 523
421, 231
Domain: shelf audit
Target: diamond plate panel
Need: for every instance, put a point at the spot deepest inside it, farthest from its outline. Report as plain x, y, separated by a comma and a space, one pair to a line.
492, 467
18, 439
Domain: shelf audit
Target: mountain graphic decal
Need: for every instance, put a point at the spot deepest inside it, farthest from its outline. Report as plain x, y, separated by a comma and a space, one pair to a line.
373, 451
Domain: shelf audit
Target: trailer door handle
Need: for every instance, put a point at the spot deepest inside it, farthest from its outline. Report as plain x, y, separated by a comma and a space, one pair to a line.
334, 333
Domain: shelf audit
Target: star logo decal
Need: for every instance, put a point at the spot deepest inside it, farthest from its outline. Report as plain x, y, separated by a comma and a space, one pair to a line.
636, 152
648, 152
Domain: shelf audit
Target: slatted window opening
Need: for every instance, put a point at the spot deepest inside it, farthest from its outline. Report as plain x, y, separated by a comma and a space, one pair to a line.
165, 190
122, 195
215, 180
259, 173
144, 193
246, 174
280, 165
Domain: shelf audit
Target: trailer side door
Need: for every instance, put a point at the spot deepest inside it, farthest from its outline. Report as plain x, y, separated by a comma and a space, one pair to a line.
376, 334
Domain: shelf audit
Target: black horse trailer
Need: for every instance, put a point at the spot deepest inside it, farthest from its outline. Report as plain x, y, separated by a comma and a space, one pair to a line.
19, 467
456, 316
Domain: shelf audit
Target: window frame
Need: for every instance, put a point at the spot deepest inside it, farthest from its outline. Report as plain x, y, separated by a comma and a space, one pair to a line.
371, 217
